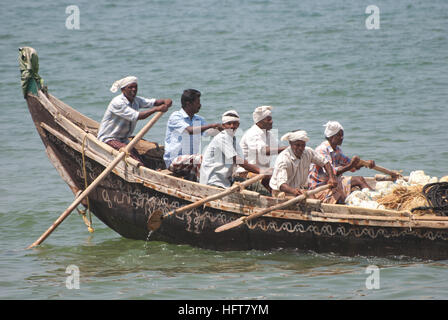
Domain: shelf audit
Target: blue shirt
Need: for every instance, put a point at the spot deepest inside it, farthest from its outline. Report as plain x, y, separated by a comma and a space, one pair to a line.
177, 140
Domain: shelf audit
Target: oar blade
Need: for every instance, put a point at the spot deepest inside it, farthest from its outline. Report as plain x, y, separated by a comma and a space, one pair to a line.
155, 220
231, 225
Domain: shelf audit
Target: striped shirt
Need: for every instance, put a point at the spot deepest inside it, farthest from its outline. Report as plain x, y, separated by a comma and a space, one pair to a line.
121, 117
337, 159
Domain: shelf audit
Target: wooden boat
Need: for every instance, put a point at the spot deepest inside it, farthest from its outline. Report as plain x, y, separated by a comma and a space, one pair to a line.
131, 194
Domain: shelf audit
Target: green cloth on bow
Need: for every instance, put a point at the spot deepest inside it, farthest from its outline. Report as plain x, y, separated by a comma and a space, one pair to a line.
29, 70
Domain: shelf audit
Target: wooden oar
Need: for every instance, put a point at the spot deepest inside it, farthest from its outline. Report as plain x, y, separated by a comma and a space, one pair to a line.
380, 169
92, 186
156, 219
242, 220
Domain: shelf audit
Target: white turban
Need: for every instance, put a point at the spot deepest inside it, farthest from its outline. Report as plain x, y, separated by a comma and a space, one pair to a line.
120, 84
296, 135
261, 112
230, 116
331, 128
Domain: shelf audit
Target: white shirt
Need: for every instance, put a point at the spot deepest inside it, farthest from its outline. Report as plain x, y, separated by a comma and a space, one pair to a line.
253, 144
217, 162
121, 117
292, 170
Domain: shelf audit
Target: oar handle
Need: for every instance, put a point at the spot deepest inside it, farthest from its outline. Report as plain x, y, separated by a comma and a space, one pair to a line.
235, 187
380, 169
287, 203
92, 186
282, 205
143, 131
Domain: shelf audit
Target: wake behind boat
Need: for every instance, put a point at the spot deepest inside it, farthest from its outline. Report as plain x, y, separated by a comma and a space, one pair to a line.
131, 199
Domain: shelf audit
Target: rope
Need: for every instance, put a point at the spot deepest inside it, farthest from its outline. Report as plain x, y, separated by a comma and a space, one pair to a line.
437, 196
126, 155
84, 171
240, 186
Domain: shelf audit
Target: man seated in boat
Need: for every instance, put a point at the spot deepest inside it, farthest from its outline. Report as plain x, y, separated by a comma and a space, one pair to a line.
330, 150
292, 166
258, 145
183, 136
223, 154
123, 112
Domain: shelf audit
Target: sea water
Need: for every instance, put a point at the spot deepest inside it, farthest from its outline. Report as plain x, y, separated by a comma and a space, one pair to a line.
380, 71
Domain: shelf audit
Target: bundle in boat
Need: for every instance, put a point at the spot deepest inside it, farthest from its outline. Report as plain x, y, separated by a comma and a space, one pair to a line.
402, 194
405, 198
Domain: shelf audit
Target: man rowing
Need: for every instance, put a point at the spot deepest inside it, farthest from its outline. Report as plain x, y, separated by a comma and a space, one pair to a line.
183, 136
123, 112
258, 145
292, 165
330, 150
223, 154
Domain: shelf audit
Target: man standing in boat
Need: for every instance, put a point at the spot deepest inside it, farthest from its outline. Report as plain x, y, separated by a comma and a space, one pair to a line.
292, 165
223, 154
123, 112
258, 145
183, 136
330, 150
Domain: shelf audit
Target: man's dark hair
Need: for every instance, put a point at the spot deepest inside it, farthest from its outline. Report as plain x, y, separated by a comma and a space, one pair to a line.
189, 95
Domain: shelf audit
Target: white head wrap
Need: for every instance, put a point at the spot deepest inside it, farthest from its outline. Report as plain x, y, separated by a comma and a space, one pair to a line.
331, 128
261, 112
120, 84
228, 117
296, 135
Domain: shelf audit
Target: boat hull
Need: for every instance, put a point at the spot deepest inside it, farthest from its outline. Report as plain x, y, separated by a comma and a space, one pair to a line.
126, 207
